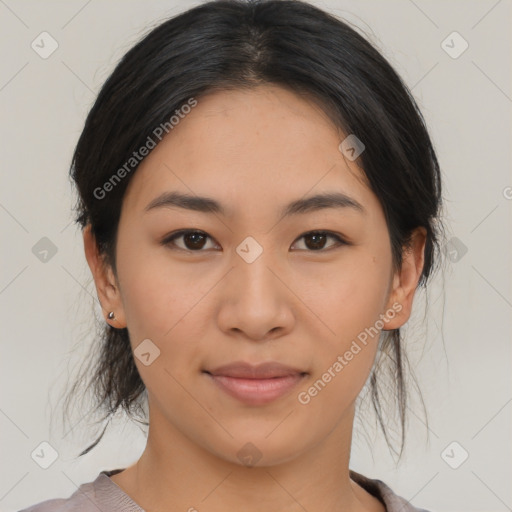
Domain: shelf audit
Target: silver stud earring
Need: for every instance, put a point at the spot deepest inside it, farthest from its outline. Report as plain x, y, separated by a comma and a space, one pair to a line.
111, 316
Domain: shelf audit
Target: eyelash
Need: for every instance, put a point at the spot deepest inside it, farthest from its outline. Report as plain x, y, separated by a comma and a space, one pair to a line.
169, 240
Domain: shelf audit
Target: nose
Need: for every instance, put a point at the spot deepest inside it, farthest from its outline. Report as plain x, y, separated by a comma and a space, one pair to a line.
255, 301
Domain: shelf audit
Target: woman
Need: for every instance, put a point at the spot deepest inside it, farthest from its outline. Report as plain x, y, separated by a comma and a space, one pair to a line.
260, 200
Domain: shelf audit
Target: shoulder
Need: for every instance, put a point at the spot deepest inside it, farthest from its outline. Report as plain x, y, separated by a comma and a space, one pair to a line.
101, 494
81, 500
384, 493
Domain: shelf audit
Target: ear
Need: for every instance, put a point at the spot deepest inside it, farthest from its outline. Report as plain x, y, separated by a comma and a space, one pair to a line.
105, 281
406, 279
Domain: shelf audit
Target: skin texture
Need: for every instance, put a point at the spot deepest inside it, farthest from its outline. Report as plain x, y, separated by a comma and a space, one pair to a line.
254, 152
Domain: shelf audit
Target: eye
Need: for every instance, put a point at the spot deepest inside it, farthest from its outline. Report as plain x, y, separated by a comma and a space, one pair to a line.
315, 240
193, 240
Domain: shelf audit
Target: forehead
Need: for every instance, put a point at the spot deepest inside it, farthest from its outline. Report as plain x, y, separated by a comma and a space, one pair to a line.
263, 145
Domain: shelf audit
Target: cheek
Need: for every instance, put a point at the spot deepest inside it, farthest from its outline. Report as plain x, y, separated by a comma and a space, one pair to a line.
349, 305
329, 395
157, 295
168, 306
345, 356
351, 297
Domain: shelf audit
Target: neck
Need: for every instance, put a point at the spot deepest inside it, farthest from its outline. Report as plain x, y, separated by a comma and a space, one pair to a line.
176, 470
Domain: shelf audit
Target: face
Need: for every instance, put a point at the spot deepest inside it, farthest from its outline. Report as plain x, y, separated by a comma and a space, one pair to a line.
261, 274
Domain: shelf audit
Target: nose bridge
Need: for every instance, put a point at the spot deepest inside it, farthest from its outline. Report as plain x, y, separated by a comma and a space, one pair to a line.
255, 280
255, 301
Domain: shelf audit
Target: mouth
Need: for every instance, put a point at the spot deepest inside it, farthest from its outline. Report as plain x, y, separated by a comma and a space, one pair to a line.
256, 384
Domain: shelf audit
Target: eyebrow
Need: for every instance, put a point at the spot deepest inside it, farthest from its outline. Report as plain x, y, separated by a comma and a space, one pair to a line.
300, 206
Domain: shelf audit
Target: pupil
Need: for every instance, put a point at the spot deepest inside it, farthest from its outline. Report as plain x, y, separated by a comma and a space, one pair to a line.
319, 238
195, 237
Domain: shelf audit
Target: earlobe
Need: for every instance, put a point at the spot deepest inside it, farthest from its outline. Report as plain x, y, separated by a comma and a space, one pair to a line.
105, 282
405, 280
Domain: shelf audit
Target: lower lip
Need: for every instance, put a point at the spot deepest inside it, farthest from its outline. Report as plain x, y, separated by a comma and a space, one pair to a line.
257, 391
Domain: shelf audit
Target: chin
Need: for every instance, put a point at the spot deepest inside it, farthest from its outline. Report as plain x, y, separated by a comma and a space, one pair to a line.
257, 450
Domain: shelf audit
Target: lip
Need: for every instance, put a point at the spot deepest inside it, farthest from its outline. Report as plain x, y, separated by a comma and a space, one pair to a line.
256, 384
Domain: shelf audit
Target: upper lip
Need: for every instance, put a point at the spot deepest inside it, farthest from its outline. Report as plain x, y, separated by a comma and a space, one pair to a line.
241, 369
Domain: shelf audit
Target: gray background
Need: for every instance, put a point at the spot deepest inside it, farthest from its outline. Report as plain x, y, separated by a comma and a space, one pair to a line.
462, 359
